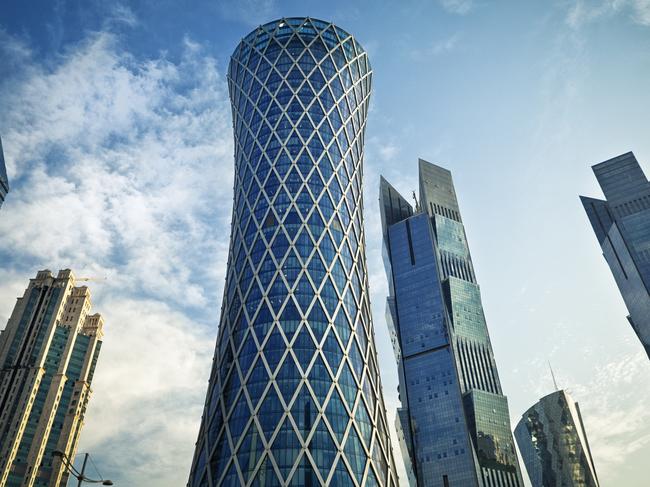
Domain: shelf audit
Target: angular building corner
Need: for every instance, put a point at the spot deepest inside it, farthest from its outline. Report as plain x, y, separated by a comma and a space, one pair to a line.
294, 396
48, 354
621, 223
453, 424
4, 181
553, 443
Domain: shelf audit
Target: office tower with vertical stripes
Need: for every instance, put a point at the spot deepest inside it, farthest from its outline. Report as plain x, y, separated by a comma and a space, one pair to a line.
621, 223
294, 397
48, 354
453, 423
553, 443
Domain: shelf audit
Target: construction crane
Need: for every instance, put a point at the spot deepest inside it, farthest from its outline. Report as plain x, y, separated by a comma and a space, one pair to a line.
417, 204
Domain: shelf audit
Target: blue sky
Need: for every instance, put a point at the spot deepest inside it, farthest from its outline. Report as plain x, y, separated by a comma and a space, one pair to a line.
117, 135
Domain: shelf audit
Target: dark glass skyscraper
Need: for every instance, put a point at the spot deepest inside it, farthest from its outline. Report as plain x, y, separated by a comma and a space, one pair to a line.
4, 181
453, 424
621, 223
294, 395
553, 443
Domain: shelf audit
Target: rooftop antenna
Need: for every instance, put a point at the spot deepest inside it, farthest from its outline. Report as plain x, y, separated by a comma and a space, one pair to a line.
553, 376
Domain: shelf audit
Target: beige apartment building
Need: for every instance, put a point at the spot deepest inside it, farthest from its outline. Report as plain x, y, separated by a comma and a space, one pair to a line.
48, 354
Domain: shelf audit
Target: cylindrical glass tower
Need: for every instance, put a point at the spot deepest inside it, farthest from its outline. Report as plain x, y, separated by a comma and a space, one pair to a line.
295, 396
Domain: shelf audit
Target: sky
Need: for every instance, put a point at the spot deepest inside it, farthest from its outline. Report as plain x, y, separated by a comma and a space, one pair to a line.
116, 126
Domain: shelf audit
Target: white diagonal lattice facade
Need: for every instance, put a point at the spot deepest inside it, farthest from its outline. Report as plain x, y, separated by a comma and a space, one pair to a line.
295, 396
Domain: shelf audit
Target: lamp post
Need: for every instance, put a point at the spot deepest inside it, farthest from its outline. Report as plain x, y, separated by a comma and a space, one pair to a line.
80, 476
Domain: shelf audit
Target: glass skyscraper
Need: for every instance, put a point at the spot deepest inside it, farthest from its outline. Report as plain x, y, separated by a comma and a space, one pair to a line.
553, 443
621, 223
4, 181
453, 423
294, 396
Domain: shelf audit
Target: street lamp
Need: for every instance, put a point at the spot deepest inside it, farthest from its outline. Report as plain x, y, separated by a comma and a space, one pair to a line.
75, 473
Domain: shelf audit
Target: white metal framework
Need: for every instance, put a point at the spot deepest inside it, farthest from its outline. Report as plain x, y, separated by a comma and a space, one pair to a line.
295, 396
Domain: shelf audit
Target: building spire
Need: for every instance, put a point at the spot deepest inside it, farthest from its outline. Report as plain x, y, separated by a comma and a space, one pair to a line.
553, 376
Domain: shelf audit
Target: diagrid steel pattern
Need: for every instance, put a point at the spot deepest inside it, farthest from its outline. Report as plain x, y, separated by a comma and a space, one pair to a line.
294, 395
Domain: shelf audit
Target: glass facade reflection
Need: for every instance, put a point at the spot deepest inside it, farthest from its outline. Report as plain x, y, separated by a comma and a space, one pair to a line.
453, 423
553, 443
294, 395
4, 181
621, 223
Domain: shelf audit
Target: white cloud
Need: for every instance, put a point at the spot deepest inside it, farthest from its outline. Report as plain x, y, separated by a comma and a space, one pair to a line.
123, 14
249, 12
642, 11
615, 410
460, 7
14, 53
584, 11
144, 415
445, 45
388, 151
438, 47
122, 167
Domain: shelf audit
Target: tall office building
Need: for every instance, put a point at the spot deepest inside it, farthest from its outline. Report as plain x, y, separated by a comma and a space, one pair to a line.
48, 354
553, 444
621, 223
453, 422
294, 395
4, 181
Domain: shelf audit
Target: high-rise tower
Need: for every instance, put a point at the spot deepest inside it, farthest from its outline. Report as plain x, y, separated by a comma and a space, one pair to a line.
48, 354
294, 395
453, 424
4, 181
621, 223
553, 443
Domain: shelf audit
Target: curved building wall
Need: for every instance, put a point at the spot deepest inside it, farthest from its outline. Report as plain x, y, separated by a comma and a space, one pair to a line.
553, 443
294, 396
